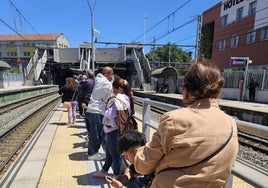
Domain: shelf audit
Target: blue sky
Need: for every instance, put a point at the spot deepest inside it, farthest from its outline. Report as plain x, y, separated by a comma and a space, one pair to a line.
117, 20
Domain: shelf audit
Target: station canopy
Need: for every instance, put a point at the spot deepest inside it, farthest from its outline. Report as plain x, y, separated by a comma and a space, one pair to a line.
165, 72
4, 65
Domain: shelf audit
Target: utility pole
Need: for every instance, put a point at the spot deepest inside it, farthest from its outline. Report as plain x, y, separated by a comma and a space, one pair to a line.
92, 34
198, 37
169, 54
145, 18
92, 41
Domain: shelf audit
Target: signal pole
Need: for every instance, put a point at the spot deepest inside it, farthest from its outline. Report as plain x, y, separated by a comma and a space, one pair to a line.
246, 79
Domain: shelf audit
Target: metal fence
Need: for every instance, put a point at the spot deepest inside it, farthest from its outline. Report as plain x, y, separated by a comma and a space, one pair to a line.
232, 79
250, 176
10, 79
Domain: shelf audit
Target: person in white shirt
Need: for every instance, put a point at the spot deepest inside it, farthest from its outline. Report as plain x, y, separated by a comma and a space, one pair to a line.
102, 90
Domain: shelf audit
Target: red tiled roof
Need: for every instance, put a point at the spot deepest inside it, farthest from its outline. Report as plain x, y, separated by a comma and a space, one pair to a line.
29, 37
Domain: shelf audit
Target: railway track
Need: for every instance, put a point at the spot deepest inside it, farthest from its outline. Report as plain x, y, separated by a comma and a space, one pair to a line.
5, 108
14, 135
256, 143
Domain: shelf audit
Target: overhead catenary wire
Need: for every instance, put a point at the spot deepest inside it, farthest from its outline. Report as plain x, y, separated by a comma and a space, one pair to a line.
25, 19
167, 17
7, 25
176, 28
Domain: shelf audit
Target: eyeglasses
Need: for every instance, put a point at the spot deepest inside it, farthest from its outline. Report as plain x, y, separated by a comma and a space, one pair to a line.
107, 74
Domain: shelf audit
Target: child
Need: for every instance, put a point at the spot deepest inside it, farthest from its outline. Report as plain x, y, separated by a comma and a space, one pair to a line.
128, 144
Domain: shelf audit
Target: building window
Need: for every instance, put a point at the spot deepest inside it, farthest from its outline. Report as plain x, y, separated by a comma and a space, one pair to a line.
252, 7
264, 33
224, 20
234, 41
10, 44
11, 54
26, 44
251, 37
26, 54
239, 14
222, 44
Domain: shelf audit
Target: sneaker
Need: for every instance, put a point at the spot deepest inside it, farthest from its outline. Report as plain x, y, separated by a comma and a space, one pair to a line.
87, 140
100, 174
84, 136
96, 157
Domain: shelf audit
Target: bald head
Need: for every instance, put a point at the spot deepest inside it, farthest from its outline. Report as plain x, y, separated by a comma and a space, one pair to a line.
108, 73
107, 70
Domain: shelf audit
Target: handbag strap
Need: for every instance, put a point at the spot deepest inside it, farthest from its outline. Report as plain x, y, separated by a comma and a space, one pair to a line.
73, 96
208, 157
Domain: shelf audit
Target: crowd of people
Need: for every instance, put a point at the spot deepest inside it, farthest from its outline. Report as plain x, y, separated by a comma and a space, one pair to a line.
194, 146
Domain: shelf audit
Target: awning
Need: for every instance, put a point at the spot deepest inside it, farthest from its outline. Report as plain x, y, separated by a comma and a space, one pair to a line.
4, 65
165, 72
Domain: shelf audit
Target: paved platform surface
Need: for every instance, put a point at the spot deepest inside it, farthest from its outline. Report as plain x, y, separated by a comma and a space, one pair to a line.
59, 159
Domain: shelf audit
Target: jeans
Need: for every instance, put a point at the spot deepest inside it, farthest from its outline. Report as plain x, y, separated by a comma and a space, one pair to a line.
96, 136
113, 157
72, 113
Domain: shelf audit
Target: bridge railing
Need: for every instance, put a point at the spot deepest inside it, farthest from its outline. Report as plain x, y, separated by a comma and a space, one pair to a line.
149, 126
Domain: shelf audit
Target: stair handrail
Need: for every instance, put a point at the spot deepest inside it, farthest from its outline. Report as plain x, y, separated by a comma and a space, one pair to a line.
137, 65
31, 64
40, 66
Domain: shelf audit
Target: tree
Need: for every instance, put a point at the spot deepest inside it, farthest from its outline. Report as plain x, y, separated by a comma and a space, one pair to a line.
207, 40
168, 52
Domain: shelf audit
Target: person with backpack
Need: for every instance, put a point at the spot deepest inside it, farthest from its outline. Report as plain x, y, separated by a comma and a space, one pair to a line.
112, 125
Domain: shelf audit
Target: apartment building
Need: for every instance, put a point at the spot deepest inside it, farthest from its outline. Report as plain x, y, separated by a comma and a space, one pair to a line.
236, 28
20, 48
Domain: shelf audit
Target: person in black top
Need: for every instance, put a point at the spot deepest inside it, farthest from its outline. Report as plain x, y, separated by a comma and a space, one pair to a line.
252, 89
69, 93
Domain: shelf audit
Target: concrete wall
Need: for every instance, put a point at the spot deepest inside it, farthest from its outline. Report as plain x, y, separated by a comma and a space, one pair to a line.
261, 96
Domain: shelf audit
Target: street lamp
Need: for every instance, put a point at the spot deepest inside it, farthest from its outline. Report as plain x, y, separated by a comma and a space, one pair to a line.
93, 30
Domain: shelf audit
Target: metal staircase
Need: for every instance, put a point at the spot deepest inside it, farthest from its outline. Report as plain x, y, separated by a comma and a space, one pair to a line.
142, 66
35, 66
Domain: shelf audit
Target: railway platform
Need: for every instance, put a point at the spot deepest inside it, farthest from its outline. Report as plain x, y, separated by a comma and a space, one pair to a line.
58, 158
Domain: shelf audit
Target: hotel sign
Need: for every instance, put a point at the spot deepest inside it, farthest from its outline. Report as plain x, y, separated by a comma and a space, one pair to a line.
230, 3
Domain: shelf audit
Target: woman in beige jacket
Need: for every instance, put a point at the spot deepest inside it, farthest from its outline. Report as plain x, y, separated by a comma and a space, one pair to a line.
194, 146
